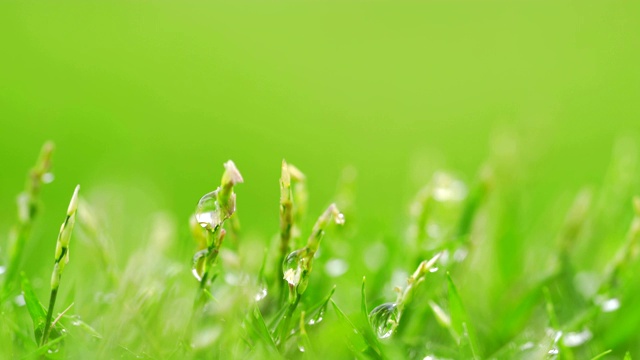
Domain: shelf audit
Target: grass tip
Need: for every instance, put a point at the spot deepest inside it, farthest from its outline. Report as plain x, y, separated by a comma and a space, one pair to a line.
232, 175
295, 173
73, 204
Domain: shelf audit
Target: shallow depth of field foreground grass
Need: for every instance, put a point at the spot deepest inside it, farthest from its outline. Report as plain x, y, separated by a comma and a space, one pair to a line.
464, 280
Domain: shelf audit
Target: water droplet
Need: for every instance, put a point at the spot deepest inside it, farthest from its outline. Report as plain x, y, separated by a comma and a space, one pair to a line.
526, 346
554, 352
208, 211
434, 230
196, 274
19, 300
433, 269
384, 319
318, 316
261, 294
448, 188
236, 279
460, 254
47, 178
292, 267
336, 267
587, 283
574, 339
301, 348
340, 219
198, 263
610, 305
2, 270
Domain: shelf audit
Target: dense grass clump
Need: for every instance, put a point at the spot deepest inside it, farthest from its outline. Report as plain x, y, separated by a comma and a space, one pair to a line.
466, 280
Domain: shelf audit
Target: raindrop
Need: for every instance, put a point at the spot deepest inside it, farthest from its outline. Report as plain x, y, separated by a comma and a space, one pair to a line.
574, 339
384, 319
434, 230
196, 275
460, 254
236, 279
19, 300
261, 294
448, 188
319, 315
336, 267
292, 267
196, 265
208, 211
47, 178
610, 305
526, 346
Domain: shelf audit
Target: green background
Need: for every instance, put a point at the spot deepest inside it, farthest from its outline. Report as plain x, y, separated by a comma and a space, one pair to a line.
148, 99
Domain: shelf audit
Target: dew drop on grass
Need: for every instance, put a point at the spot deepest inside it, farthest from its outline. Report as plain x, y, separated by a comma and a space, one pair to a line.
384, 319
448, 188
291, 268
526, 346
319, 315
47, 178
196, 264
340, 219
575, 339
19, 300
208, 211
261, 294
460, 254
196, 274
610, 305
336, 267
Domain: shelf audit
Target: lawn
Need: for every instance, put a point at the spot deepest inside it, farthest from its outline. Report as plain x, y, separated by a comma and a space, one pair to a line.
424, 180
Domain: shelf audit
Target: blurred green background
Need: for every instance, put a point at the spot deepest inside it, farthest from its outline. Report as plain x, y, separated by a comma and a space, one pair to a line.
150, 98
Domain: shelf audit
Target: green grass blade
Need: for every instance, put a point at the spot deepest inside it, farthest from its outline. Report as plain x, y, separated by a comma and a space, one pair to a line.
36, 310
601, 355
460, 322
363, 299
356, 341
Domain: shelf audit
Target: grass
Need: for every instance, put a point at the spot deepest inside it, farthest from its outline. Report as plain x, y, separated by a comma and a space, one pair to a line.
470, 281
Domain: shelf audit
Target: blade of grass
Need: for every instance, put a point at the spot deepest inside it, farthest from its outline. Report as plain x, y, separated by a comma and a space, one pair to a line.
460, 322
34, 307
28, 206
61, 259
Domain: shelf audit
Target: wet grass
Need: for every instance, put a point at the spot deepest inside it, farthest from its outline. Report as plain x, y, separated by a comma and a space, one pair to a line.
468, 279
